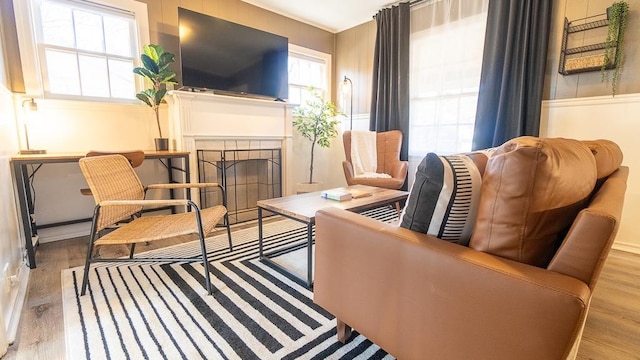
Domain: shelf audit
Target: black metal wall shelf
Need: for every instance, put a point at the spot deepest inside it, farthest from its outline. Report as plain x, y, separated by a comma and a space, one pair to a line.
593, 57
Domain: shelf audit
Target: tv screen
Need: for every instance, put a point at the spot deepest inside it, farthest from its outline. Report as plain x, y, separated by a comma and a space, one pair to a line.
221, 55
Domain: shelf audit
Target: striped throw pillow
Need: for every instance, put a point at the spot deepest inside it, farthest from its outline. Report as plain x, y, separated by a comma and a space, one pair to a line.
444, 198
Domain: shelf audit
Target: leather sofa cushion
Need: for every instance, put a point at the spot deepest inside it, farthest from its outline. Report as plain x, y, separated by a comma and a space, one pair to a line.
608, 156
479, 158
444, 198
532, 190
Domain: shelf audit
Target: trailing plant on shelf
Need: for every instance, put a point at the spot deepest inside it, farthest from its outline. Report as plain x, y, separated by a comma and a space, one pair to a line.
155, 68
614, 44
315, 120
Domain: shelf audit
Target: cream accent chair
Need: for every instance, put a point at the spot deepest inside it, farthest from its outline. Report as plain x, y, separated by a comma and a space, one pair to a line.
119, 195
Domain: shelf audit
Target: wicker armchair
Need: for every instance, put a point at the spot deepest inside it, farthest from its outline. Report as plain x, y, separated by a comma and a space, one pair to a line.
135, 159
119, 194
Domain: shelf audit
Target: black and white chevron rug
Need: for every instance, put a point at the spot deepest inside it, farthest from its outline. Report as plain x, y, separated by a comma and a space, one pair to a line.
162, 311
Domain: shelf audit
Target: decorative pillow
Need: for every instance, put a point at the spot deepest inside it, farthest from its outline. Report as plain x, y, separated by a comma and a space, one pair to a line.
532, 190
444, 198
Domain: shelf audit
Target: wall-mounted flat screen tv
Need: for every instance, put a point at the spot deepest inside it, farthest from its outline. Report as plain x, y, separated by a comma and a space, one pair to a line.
231, 58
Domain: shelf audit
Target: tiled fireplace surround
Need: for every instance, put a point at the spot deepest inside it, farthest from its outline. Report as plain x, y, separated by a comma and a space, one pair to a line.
203, 121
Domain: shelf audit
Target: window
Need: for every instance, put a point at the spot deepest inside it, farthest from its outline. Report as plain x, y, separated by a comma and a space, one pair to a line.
446, 59
84, 49
307, 68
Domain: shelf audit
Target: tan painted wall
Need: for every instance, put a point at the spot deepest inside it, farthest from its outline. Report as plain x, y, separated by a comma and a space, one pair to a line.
354, 55
563, 114
163, 26
581, 106
558, 86
80, 126
354, 58
163, 23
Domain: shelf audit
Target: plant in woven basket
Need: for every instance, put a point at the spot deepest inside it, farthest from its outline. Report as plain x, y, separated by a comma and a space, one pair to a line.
315, 120
614, 43
155, 68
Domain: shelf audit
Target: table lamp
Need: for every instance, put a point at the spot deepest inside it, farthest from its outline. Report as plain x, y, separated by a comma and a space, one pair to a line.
31, 106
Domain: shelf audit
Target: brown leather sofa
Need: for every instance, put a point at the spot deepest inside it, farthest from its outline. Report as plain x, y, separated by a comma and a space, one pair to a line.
420, 297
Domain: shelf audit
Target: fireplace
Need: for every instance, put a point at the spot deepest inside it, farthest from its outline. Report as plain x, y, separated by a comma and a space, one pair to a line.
246, 175
231, 138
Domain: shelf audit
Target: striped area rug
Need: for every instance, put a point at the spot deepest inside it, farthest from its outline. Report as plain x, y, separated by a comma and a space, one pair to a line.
162, 311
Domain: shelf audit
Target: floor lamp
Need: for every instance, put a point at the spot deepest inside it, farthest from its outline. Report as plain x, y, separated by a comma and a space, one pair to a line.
347, 82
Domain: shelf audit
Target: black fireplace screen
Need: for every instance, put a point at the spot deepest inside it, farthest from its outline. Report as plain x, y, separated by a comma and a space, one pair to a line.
247, 176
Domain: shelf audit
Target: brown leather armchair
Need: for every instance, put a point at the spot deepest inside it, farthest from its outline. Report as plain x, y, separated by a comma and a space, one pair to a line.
388, 145
420, 297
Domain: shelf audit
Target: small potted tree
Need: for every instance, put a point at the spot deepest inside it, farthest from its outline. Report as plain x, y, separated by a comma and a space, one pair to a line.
155, 68
316, 122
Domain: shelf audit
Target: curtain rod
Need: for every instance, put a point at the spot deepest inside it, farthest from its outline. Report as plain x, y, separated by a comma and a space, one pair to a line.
411, 3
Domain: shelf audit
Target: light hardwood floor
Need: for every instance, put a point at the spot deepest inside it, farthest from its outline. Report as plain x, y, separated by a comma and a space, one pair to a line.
612, 330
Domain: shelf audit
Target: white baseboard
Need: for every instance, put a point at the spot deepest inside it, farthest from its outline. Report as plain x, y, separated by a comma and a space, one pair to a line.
18, 302
64, 232
628, 247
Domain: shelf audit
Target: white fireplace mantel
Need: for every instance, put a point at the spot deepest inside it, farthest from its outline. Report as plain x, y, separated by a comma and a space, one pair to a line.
203, 120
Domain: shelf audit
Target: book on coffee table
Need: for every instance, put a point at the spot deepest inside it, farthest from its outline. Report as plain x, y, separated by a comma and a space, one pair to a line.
338, 195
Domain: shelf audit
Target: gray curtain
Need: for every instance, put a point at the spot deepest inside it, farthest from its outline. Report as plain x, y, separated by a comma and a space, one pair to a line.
390, 97
513, 65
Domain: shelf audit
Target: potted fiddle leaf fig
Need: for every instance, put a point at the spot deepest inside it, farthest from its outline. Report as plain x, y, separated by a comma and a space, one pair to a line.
316, 122
155, 68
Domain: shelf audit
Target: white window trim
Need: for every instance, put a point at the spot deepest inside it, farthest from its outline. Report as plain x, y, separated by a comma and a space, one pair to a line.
296, 49
25, 27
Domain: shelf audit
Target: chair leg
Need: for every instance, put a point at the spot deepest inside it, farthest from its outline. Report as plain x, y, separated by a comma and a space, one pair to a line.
203, 247
92, 238
131, 250
85, 277
205, 263
226, 221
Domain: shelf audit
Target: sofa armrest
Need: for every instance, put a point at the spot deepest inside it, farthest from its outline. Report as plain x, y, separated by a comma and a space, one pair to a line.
415, 295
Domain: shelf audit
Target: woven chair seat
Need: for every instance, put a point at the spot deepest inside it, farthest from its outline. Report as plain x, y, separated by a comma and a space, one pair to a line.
150, 228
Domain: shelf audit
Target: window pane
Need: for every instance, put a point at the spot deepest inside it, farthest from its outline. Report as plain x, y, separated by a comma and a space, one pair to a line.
94, 76
305, 72
87, 49
304, 75
448, 112
121, 76
423, 140
294, 95
62, 68
88, 31
117, 36
316, 72
445, 73
57, 25
294, 71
